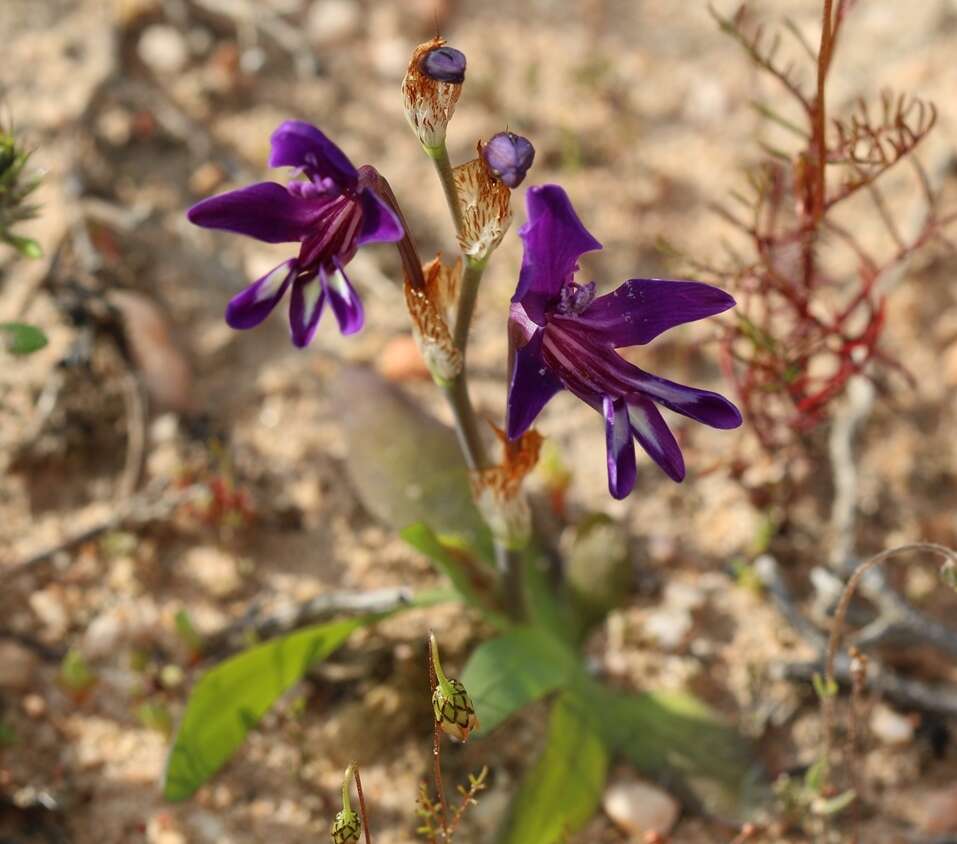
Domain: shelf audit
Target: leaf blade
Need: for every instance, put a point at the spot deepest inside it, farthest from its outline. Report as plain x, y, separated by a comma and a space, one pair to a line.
673, 736
508, 672
563, 789
232, 697
22, 338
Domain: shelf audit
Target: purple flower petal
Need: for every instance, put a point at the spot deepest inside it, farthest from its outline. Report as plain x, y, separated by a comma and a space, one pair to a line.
346, 304
305, 308
530, 389
251, 306
266, 211
701, 405
554, 239
622, 471
299, 144
655, 437
642, 308
380, 224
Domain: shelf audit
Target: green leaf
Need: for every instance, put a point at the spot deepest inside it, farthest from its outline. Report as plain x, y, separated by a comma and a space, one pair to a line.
23, 339
824, 688
563, 789
471, 578
672, 736
814, 777
509, 672
26, 246
404, 464
833, 805
230, 699
544, 607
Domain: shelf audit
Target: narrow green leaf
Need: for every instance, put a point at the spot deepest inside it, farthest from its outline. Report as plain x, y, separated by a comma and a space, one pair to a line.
509, 672
814, 777
26, 246
675, 737
470, 577
563, 789
230, 699
404, 464
22, 339
834, 805
824, 688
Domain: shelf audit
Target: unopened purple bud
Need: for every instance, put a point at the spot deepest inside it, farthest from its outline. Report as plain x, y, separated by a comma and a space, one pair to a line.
444, 64
509, 156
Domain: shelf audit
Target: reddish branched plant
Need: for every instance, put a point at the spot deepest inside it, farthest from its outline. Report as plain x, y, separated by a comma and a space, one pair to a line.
803, 327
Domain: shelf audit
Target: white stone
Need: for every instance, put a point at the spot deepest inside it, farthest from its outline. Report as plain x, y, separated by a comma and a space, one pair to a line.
163, 49
640, 808
891, 727
213, 569
669, 627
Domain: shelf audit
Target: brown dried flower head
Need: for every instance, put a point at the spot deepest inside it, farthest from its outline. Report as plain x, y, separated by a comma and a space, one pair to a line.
498, 490
430, 308
429, 101
486, 208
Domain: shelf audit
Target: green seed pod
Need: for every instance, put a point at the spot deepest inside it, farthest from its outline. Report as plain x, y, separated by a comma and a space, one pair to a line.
346, 828
453, 709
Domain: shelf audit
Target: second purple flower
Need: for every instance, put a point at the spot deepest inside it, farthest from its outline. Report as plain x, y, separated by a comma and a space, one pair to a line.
330, 209
565, 337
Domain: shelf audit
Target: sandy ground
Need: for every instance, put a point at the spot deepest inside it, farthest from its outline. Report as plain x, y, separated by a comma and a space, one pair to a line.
640, 109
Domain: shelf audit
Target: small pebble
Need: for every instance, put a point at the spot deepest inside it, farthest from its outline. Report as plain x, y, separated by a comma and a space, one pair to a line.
640, 808
34, 706
163, 49
891, 727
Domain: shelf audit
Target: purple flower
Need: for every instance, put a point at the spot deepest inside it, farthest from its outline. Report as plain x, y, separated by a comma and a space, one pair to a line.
565, 336
330, 212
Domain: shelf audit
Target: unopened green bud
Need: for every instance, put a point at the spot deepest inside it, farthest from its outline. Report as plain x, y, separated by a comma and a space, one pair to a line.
451, 703
346, 828
454, 711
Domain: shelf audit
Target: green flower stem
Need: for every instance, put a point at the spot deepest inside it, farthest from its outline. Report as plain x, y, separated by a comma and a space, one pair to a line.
507, 560
346, 788
456, 391
440, 677
443, 166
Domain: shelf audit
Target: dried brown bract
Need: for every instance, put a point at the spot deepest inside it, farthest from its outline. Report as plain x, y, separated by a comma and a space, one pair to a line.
429, 102
486, 208
430, 308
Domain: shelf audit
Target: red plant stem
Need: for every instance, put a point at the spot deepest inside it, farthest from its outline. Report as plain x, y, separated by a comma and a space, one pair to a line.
362, 805
437, 747
820, 108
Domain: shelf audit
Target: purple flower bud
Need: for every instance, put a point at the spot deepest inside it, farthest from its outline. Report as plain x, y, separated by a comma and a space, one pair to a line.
444, 64
509, 156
